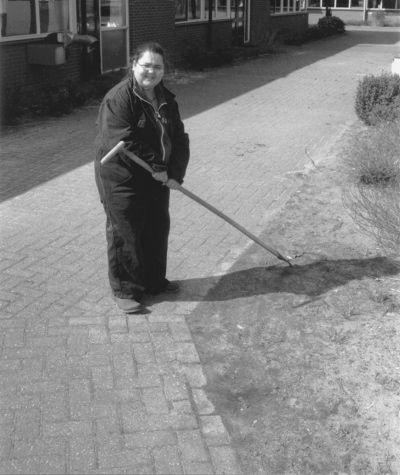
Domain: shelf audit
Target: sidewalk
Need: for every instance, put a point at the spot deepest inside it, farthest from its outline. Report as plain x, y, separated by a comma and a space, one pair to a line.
86, 389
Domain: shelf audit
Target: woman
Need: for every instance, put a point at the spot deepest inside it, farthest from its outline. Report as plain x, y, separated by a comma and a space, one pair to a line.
143, 113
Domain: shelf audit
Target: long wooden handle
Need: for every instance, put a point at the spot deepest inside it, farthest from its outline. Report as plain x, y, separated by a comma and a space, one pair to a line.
112, 152
211, 208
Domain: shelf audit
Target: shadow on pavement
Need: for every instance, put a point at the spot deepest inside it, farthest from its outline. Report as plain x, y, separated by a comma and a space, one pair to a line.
34, 153
217, 88
311, 279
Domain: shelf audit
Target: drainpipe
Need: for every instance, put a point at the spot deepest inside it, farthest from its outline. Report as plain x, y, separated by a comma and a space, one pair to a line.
365, 11
209, 30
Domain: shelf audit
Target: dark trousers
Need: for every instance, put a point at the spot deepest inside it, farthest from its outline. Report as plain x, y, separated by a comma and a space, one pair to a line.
137, 227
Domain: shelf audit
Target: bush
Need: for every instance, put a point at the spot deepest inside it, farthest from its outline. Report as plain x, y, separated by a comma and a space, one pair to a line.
53, 100
199, 59
373, 156
327, 26
378, 98
371, 166
331, 25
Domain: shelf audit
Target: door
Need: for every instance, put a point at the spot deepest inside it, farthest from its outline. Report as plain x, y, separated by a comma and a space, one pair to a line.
114, 31
240, 14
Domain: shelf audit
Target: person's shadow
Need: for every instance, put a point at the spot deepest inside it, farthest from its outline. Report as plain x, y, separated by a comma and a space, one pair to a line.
311, 279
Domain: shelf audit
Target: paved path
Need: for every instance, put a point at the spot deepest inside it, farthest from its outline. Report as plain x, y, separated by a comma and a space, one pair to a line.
85, 389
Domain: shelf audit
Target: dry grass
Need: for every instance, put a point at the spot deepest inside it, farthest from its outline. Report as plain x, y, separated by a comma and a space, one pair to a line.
371, 165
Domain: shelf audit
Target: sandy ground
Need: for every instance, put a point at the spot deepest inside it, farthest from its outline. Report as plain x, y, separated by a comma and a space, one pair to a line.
303, 362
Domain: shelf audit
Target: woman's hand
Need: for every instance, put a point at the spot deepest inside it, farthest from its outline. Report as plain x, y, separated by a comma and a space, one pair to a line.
172, 184
160, 176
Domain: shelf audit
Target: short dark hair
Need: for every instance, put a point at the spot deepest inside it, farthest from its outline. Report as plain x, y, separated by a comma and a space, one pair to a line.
150, 46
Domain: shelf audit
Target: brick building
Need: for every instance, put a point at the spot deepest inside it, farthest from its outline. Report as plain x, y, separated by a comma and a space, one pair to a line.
59, 40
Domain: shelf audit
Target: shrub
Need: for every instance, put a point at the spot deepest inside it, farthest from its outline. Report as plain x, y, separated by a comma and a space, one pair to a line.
327, 26
372, 189
199, 59
54, 100
378, 98
331, 25
373, 156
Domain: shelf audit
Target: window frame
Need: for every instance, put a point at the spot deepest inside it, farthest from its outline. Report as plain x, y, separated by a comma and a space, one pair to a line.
288, 7
72, 26
204, 13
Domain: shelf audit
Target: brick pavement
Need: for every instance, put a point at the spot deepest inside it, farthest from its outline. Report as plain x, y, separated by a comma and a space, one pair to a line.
85, 389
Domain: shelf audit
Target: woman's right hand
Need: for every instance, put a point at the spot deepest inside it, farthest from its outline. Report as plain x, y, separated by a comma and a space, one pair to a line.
160, 176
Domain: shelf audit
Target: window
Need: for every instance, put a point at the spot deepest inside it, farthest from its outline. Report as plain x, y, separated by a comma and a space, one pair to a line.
340, 3
113, 13
33, 17
290, 6
191, 10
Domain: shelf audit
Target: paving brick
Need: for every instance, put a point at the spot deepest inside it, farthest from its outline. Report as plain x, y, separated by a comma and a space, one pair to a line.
54, 406
151, 439
133, 416
175, 388
155, 401
143, 353
133, 336
102, 378
50, 446
81, 454
124, 366
118, 324
37, 464
14, 338
145, 380
79, 399
124, 458
5, 443
225, 461
198, 468
27, 424
192, 446
167, 461
103, 410
182, 407
214, 430
186, 353
203, 404
180, 331
68, 429
98, 334
194, 375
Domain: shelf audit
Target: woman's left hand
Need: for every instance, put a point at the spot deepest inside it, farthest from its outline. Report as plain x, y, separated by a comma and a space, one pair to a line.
172, 184
161, 176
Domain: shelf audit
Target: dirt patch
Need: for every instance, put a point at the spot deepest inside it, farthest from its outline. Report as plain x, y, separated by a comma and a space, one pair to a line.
303, 363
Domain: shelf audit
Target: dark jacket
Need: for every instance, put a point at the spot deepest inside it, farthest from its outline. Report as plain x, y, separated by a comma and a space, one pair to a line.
158, 137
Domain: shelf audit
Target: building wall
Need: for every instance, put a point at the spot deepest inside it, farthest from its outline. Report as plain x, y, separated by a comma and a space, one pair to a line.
353, 16
16, 72
152, 20
190, 37
345, 14
290, 24
149, 20
259, 21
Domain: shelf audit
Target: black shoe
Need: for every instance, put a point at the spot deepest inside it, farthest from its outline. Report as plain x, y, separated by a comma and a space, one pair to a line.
128, 305
172, 287
168, 288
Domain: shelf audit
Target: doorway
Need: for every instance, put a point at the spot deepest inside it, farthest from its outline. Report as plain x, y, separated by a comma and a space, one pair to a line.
114, 33
240, 14
106, 20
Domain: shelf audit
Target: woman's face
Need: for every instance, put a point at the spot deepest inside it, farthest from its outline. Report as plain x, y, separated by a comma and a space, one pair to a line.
148, 69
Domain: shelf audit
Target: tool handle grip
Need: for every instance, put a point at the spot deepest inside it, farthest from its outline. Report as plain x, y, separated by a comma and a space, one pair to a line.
112, 152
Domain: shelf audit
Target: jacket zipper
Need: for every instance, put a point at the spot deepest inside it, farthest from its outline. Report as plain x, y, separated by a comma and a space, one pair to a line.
159, 117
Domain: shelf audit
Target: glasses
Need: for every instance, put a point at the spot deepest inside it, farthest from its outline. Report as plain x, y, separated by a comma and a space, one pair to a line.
149, 67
